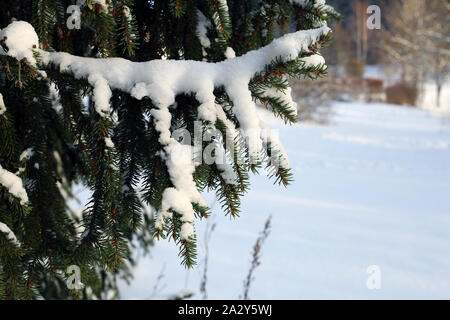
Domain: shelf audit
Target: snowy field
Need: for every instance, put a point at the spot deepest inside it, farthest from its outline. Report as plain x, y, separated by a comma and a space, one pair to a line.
371, 188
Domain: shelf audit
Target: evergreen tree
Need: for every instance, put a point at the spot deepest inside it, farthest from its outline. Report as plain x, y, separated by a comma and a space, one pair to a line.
101, 105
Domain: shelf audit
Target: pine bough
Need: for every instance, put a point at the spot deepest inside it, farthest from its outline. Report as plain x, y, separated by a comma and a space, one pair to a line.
227, 93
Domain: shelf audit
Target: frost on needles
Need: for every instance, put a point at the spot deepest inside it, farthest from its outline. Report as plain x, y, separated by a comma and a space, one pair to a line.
127, 128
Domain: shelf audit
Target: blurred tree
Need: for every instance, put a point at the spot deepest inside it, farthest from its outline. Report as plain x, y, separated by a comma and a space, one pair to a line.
416, 39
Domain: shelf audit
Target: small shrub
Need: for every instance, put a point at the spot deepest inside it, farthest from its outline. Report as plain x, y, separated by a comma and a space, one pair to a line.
355, 68
402, 93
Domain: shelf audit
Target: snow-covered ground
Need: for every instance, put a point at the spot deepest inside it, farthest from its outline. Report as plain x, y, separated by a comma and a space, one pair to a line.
371, 188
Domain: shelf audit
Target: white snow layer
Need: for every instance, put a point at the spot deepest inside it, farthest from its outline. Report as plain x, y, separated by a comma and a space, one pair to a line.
162, 81
9, 234
314, 60
229, 53
14, 185
21, 39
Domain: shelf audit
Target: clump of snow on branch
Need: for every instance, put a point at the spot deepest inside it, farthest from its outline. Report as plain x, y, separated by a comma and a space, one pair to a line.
26, 155
313, 60
2, 105
202, 29
102, 94
9, 234
55, 99
229, 53
19, 40
285, 96
163, 80
14, 185
181, 169
127, 13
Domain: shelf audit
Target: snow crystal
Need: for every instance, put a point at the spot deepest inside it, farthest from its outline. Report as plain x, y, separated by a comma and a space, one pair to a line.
314, 60
14, 185
20, 40
9, 234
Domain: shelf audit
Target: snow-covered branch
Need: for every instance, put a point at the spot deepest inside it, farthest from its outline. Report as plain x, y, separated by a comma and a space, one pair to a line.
9, 234
14, 185
163, 80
